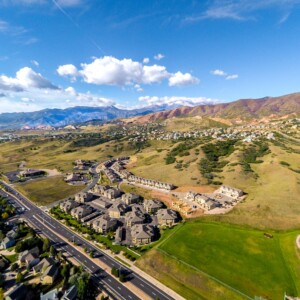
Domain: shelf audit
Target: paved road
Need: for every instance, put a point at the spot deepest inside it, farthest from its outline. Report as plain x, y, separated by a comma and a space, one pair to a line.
43, 222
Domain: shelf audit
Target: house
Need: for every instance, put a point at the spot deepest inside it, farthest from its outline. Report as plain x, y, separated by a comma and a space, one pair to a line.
70, 294
31, 173
52, 295
104, 224
230, 192
12, 233
101, 203
50, 275
120, 235
206, 202
31, 260
43, 265
81, 211
152, 206
68, 205
142, 234
22, 255
100, 189
7, 242
134, 217
83, 197
117, 210
112, 193
17, 293
190, 196
73, 177
167, 217
130, 198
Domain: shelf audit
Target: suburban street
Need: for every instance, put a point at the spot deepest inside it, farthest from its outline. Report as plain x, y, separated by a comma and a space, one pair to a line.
59, 234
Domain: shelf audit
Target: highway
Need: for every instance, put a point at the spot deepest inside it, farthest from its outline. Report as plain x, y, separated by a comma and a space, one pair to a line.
59, 234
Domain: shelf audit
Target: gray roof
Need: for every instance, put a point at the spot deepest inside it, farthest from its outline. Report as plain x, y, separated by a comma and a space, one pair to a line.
71, 293
52, 295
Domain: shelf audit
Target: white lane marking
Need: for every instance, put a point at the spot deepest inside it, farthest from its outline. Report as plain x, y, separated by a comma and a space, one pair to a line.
43, 220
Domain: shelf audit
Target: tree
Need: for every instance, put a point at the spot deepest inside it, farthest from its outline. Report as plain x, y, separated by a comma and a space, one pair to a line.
122, 277
83, 285
4, 215
46, 245
1, 294
115, 271
65, 271
91, 254
14, 267
1, 280
19, 277
52, 251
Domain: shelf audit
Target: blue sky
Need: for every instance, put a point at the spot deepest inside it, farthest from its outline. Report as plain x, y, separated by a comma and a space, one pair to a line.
137, 53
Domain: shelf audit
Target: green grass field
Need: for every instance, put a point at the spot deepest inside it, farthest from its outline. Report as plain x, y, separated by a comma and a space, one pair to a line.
47, 190
242, 258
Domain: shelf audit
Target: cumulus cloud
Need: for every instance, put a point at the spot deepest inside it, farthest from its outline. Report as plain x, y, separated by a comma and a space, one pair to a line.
155, 73
146, 60
230, 77
68, 70
176, 100
180, 79
221, 73
25, 78
218, 72
159, 56
109, 70
87, 98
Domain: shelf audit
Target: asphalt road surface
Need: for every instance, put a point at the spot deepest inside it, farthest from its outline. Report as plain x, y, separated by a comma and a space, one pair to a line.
49, 227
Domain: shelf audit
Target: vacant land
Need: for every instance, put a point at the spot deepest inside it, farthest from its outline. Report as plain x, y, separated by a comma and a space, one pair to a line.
241, 258
47, 190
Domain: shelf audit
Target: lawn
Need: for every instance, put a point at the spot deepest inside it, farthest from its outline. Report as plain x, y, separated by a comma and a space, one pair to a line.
239, 257
47, 190
12, 258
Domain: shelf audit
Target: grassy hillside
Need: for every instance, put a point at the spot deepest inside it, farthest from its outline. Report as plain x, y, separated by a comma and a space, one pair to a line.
217, 261
47, 190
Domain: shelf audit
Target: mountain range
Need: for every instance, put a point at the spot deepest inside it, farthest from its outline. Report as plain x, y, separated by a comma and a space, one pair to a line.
69, 116
237, 111
240, 110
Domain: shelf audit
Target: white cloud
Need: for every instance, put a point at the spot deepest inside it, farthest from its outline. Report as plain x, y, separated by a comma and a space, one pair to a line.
159, 56
218, 72
221, 73
7, 28
34, 62
176, 100
233, 76
138, 88
63, 3
67, 70
26, 99
30, 79
241, 10
154, 73
180, 79
109, 70
146, 60
25, 78
69, 3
